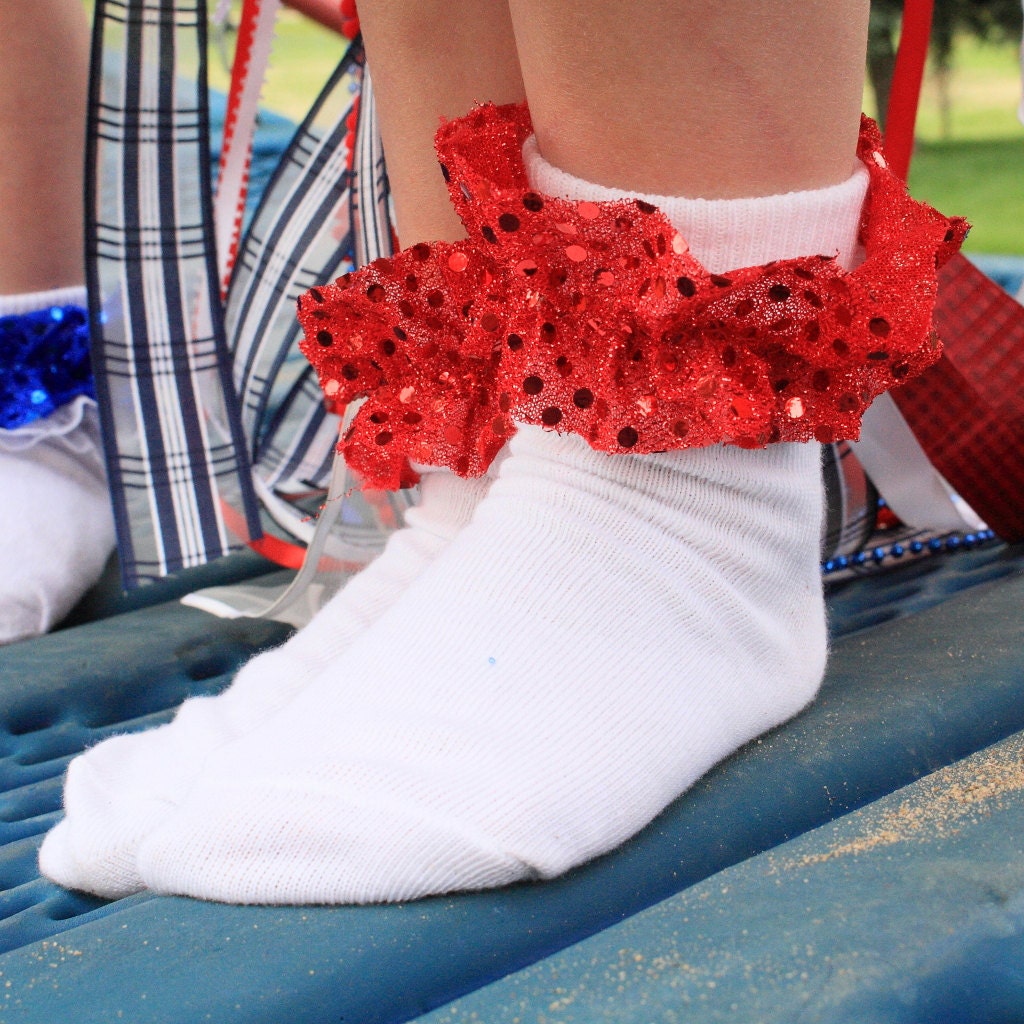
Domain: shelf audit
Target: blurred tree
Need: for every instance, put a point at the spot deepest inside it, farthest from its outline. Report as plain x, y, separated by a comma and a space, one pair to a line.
994, 20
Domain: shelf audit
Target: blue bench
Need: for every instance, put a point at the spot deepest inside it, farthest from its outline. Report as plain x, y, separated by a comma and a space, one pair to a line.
926, 670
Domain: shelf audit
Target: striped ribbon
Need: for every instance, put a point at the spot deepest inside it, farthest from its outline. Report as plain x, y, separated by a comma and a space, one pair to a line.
207, 403
172, 425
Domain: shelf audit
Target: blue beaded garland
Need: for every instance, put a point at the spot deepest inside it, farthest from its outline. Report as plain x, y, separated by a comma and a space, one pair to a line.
44, 363
934, 545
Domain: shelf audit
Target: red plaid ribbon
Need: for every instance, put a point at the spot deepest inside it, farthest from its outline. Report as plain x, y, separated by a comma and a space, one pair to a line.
967, 410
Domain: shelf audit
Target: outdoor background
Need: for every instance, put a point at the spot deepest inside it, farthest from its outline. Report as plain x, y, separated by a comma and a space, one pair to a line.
970, 154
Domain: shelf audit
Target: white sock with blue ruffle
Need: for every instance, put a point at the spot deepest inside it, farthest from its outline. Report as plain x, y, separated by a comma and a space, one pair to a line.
56, 525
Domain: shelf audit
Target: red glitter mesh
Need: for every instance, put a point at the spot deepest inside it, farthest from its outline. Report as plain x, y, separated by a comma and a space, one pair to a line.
594, 318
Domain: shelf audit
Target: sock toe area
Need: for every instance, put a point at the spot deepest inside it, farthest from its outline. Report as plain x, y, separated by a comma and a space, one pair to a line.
68, 861
56, 526
112, 798
321, 848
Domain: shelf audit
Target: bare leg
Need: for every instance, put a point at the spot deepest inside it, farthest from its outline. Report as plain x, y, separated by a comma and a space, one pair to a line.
433, 59
44, 54
711, 98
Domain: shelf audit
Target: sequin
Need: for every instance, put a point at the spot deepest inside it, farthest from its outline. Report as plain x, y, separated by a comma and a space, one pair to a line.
785, 352
44, 363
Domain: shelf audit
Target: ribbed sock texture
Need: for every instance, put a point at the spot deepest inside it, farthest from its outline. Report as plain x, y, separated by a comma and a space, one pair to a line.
28, 302
604, 631
120, 790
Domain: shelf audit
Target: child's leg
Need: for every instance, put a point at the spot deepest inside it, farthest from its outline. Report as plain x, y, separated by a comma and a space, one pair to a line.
56, 528
719, 100
43, 73
122, 789
608, 626
433, 59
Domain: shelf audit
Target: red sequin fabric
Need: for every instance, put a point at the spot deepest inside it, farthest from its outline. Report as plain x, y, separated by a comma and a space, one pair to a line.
595, 318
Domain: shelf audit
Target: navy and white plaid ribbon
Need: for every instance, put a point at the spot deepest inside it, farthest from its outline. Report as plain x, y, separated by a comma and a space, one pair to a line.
324, 212
175, 446
181, 445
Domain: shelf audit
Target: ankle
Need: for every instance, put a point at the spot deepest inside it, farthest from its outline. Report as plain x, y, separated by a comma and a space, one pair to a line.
725, 234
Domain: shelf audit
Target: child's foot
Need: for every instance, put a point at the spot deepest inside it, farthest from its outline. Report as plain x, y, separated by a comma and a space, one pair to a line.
604, 631
119, 791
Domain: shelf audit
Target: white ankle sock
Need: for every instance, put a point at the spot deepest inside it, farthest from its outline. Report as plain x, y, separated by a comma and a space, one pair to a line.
56, 525
116, 793
725, 234
604, 631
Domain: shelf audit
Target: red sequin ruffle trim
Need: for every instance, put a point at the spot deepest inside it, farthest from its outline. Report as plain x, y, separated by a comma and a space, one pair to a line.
595, 318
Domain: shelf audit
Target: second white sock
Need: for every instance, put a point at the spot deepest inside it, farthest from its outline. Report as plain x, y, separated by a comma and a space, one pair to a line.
56, 524
119, 791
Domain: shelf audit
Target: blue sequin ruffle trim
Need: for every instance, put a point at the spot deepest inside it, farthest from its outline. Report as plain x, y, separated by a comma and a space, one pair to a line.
44, 363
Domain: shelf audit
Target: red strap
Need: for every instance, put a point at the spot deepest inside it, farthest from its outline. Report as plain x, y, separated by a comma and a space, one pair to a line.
282, 552
906, 84
339, 15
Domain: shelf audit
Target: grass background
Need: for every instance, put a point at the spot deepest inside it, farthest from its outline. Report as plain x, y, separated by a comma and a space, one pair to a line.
971, 163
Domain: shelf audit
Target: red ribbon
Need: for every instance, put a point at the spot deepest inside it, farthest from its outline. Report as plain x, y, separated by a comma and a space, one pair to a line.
966, 410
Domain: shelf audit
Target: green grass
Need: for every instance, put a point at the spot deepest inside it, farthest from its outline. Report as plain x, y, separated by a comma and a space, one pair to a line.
982, 180
303, 58
972, 161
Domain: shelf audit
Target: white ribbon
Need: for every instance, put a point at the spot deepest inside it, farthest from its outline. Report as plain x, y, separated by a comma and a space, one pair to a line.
897, 464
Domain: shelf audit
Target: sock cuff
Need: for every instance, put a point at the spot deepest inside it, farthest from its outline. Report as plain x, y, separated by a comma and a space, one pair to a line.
725, 234
30, 302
